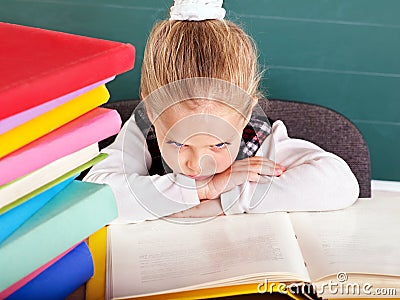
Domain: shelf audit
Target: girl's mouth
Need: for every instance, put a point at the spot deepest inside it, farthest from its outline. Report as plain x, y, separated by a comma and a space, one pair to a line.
199, 177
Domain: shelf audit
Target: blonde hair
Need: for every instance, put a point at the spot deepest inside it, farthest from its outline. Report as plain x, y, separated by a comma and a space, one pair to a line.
216, 49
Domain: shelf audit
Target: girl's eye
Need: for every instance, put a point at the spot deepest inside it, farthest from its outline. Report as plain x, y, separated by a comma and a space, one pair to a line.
221, 145
179, 145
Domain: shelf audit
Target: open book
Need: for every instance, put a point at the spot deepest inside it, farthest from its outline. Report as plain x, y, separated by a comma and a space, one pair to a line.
347, 253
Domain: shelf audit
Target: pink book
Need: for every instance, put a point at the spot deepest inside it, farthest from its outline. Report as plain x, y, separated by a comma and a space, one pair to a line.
24, 116
88, 129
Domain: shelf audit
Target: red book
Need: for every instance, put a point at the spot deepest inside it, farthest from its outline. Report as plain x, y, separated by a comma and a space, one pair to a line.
38, 65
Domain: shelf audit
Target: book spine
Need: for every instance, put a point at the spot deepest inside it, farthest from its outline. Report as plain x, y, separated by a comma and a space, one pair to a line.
66, 79
20, 187
72, 215
47, 122
53, 182
26, 115
61, 142
12, 219
96, 286
59, 279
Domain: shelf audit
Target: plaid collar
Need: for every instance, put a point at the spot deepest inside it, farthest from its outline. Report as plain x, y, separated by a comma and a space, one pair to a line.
254, 134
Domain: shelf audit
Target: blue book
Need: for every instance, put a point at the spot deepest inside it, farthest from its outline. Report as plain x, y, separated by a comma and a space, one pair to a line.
60, 279
14, 218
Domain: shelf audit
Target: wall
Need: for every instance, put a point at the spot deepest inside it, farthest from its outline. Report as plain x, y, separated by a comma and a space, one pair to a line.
343, 54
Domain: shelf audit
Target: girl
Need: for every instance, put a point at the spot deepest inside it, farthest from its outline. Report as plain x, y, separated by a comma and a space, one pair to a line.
199, 146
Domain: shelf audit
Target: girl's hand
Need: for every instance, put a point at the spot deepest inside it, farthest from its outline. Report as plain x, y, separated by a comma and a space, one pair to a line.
249, 169
206, 208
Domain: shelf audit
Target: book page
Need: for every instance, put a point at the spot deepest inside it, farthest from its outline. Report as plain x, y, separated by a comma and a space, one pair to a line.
156, 256
363, 238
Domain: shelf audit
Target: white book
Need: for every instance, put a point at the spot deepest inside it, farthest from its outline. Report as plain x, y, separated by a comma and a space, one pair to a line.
348, 253
22, 186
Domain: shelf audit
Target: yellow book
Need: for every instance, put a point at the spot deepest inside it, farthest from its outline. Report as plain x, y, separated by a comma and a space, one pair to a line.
51, 120
245, 290
96, 286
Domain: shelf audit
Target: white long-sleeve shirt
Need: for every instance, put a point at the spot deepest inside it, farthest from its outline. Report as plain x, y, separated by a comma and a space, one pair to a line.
315, 180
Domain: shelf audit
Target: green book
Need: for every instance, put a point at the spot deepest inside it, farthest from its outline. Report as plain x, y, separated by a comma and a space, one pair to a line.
72, 215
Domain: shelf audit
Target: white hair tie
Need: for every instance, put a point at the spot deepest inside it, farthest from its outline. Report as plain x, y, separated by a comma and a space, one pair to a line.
197, 10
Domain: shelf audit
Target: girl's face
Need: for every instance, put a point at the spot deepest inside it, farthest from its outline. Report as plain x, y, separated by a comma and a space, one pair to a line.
199, 144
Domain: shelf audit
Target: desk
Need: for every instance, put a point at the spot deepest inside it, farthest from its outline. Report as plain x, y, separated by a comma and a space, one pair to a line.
380, 189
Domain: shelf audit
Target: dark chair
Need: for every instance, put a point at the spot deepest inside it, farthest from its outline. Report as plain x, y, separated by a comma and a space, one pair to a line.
324, 127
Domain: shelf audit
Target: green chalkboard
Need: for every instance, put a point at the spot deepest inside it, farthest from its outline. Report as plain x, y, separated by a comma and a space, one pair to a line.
343, 54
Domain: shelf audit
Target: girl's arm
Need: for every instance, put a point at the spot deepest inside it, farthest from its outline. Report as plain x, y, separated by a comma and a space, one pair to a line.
139, 196
314, 180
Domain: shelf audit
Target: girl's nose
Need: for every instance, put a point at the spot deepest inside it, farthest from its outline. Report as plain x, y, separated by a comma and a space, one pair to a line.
200, 163
193, 164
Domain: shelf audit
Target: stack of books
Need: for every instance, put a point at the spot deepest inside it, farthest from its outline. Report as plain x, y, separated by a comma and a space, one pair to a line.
51, 87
